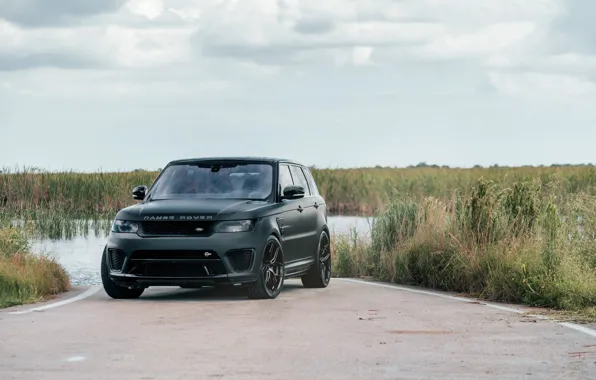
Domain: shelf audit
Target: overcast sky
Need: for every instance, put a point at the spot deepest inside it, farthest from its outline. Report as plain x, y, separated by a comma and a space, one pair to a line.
118, 85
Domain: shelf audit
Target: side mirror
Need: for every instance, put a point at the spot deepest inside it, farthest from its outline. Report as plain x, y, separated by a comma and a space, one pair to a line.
139, 192
293, 192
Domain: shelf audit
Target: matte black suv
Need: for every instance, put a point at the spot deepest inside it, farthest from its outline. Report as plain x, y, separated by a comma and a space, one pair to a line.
249, 222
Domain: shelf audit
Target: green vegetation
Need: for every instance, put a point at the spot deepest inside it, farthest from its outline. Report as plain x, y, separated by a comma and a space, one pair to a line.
348, 191
26, 277
519, 244
362, 191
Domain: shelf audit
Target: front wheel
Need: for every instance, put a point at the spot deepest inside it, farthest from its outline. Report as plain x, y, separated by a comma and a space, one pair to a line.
319, 274
270, 279
112, 289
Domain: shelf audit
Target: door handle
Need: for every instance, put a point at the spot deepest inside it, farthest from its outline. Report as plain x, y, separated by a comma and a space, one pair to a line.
316, 205
300, 208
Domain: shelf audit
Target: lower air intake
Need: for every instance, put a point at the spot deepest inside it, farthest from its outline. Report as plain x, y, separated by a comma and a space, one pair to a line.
116, 257
241, 259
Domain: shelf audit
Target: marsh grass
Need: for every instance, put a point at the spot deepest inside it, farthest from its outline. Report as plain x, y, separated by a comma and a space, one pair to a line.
361, 191
511, 244
26, 277
59, 204
366, 190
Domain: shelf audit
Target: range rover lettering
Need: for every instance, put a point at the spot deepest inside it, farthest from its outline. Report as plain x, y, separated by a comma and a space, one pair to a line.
246, 222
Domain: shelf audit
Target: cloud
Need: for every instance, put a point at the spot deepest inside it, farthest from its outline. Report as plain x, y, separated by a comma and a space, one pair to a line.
148, 8
146, 48
534, 85
484, 42
286, 47
314, 26
573, 30
92, 47
362, 55
282, 32
279, 32
504, 38
35, 13
57, 47
61, 84
47, 59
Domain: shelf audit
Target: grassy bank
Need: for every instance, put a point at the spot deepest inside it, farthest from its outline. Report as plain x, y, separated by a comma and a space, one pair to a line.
26, 277
351, 191
519, 244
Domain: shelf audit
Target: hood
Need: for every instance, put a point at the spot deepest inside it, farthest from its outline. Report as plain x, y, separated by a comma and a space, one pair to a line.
194, 209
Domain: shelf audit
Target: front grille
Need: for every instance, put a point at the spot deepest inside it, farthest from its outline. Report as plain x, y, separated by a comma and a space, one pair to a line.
173, 255
241, 259
116, 257
175, 263
177, 228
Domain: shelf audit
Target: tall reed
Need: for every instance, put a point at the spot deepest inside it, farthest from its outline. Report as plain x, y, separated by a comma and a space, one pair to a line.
61, 203
353, 191
514, 244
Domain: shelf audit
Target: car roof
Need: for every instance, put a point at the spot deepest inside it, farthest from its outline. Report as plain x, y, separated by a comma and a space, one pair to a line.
272, 160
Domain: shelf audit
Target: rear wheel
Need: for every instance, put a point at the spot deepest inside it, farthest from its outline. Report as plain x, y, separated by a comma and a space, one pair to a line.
112, 289
319, 274
271, 272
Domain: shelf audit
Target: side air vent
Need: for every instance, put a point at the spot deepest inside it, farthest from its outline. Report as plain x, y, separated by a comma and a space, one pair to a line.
241, 259
116, 257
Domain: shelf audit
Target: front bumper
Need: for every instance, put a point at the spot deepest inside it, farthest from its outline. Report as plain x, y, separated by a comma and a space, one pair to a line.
222, 258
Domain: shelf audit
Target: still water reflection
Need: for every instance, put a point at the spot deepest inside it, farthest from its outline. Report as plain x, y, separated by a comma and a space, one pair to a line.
81, 255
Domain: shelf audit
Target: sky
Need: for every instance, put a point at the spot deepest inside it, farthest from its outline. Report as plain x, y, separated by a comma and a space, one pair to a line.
126, 84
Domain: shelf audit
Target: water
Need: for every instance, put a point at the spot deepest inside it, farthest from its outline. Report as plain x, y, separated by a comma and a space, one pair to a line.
81, 255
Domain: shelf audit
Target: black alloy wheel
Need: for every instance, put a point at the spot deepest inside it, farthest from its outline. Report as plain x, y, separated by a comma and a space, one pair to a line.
271, 273
319, 274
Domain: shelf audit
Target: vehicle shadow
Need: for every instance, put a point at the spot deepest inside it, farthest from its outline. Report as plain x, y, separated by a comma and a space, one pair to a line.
222, 293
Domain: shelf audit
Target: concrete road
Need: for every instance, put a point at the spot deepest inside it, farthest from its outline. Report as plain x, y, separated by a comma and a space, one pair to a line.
347, 331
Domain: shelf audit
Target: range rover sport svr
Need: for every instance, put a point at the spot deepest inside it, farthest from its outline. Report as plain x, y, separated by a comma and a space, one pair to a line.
246, 222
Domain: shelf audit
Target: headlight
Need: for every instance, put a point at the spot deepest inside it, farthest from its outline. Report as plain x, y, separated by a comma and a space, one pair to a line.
235, 226
124, 226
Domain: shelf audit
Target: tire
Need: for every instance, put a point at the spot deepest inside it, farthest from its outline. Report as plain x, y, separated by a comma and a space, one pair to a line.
112, 289
272, 263
319, 274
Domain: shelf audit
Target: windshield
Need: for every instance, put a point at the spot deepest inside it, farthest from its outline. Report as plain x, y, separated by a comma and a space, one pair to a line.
216, 181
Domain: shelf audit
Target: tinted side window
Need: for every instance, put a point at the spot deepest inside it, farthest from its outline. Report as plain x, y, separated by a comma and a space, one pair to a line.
311, 182
285, 178
300, 179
